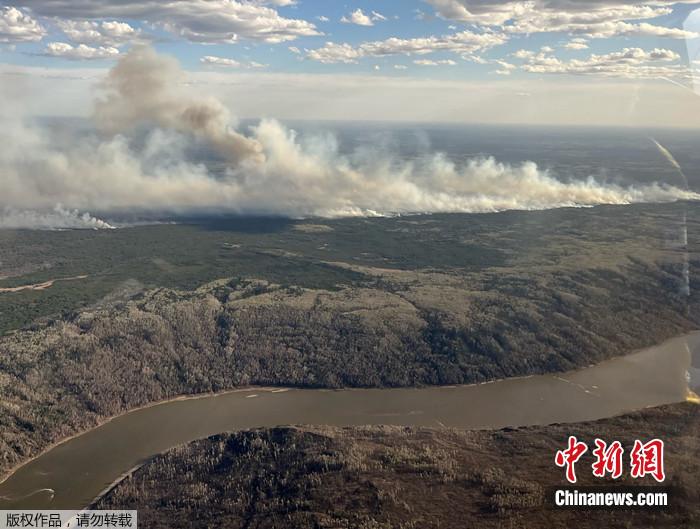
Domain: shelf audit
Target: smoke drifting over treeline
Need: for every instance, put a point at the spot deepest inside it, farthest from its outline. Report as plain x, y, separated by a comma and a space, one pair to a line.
56, 219
269, 170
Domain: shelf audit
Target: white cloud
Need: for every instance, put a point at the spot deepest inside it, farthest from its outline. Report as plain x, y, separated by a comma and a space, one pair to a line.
465, 42
280, 3
615, 29
479, 12
523, 54
229, 63
206, 21
629, 63
335, 53
595, 18
17, 26
577, 44
105, 33
400, 67
80, 52
505, 68
357, 17
321, 18
428, 62
220, 61
294, 50
475, 59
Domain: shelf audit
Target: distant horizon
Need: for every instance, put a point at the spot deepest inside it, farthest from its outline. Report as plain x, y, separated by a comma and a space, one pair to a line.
586, 103
247, 120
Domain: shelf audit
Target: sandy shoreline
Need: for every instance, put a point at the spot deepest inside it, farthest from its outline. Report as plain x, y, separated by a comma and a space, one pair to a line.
41, 286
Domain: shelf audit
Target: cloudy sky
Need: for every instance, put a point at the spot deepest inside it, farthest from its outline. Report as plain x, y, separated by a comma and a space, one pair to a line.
540, 61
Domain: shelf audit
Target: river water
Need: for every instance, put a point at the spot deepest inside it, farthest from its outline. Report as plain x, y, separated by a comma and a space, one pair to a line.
72, 474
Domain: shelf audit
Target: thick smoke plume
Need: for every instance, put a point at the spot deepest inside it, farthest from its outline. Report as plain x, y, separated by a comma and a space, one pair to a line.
269, 170
143, 88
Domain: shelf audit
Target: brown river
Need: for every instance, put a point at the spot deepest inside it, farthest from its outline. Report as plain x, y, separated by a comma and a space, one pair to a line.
72, 474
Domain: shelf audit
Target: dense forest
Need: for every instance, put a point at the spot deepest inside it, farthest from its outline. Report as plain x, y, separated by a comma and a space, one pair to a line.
404, 478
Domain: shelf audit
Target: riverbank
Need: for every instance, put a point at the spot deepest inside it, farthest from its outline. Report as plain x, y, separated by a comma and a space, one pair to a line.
107, 420
406, 477
94, 459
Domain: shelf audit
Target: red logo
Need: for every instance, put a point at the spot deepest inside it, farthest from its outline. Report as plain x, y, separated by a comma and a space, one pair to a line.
648, 458
569, 457
645, 459
608, 459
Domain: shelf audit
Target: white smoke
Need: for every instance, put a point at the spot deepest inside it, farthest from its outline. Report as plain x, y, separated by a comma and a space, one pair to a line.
144, 88
269, 171
58, 218
672, 160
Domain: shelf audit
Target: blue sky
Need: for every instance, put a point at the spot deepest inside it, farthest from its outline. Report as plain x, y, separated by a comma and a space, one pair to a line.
644, 25
385, 59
